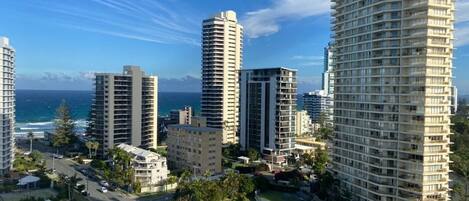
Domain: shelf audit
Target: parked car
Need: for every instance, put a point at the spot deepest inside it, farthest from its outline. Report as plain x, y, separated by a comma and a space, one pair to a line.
103, 189
104, 183
85, 193
58, 156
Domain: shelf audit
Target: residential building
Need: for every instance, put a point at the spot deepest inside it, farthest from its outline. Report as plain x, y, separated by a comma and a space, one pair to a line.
222, 49
308, 145
7, 60
328, 74
303, 123
124, 109
392, 98
268, 112
150, 168
318, 103
195, 147
182, 116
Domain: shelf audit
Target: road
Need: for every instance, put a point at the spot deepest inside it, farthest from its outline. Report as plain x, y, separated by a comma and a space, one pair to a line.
70, 168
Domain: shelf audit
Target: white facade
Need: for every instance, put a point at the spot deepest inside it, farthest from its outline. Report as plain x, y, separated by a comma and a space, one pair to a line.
392, 98
304, 125
125, 109
7, 112
222, 49
149, 168
268, 112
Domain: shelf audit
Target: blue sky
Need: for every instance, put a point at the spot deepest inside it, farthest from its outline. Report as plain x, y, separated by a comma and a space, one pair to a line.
60, 43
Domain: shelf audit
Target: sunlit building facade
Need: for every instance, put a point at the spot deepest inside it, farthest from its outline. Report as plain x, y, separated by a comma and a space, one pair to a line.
392, 98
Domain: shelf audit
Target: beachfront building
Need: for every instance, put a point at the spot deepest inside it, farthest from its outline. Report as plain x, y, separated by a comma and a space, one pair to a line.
222, 49
7, 61
319, 106
195, 147
303, 124
124, 109
268, 112
392, 98
150, 168
182, 116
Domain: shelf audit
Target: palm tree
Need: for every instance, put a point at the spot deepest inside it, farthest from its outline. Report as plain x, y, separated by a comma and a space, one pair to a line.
31, 137
89, 145
95, 146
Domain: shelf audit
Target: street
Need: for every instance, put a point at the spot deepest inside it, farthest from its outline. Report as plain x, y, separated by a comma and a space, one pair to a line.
68, 167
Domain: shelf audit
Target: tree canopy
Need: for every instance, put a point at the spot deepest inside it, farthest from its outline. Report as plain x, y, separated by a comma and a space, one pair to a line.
64, 127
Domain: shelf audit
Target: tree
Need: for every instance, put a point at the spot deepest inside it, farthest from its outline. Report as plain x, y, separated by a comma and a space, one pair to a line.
231, 187
89, 145
36, 156
460, 191
31, 137
325, 133
252, 154
92, 146
64, 127
122, 171
321, 159
95, 147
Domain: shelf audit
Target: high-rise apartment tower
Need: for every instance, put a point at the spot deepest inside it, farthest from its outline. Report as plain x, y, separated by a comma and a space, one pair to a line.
392, 97
7, 61
125, 109
222, 49
328, 74
268, 112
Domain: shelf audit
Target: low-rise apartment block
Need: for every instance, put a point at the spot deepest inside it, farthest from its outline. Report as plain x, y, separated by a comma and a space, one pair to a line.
195, 147
150, 168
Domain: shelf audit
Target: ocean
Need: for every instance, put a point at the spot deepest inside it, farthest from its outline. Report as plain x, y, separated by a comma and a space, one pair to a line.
35, 109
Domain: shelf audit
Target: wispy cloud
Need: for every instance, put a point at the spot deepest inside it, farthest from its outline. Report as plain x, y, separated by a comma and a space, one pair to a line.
267, 21
144, 20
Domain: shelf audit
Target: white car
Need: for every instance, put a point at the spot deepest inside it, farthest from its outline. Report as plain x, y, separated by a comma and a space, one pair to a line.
103, 189
58, 156
104, 183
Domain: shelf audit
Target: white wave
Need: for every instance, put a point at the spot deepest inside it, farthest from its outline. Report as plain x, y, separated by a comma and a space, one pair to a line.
46, 123
26, 128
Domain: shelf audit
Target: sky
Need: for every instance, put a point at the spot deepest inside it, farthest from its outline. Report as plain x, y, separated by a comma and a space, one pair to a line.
60, 44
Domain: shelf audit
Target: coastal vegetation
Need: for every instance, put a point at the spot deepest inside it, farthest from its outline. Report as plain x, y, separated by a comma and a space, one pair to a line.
232, 186
64, 127
460, 149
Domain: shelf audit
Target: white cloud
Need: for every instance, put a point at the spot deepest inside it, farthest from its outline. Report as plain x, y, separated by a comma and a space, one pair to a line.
267, 21
143, 20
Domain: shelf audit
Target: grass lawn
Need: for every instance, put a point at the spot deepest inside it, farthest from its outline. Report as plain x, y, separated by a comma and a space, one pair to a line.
278, 196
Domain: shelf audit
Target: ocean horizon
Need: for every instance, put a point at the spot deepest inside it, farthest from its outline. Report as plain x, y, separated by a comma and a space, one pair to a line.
36, 109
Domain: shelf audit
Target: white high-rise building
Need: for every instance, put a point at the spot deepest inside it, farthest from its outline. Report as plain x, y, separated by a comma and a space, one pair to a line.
222, 50
125, 109
7, 61
392, 98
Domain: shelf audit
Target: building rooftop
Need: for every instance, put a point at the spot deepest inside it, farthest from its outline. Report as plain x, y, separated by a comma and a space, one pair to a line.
269, 68
138, 151
194, 128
